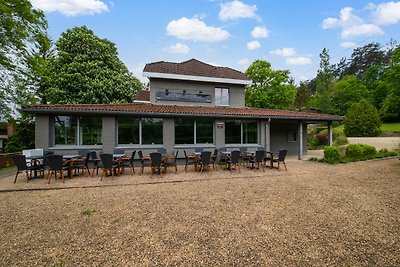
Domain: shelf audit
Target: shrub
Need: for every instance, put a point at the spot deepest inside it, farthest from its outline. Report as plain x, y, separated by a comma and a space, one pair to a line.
362, 120
360, 151
341, 140
331, 154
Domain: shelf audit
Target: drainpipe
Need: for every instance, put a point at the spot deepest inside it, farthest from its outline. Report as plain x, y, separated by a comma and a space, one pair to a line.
300, 141
268, 135
330, 136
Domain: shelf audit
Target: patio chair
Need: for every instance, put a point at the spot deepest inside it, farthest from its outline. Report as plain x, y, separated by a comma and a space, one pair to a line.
22, 166
171, 162
214, 157
190, 160
127, 162
244, 155
96, 162
205, 160
233, 160
109, 164
281, 158
82, 163
143, 162
258, 159
57, 165
222, 156
156, 163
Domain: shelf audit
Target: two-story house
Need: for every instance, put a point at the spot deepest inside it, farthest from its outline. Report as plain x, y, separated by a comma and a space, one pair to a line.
189, 104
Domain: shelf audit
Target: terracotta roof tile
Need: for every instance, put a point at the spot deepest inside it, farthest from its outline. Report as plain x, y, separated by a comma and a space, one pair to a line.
194, 67
144, 109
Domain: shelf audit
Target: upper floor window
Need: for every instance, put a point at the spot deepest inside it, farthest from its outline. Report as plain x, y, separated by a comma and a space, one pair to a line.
77, 130
221, 96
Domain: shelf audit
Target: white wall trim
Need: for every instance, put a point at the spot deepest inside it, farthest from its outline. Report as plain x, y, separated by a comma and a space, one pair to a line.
194, 78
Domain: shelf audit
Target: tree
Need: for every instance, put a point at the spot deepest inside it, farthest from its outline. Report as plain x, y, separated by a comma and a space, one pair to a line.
362, 120
322, 99
304, 92
20, 23
346, 92
24, 136
269, 88
87, 70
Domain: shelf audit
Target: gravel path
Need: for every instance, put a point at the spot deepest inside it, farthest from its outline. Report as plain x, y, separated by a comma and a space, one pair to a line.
312, 215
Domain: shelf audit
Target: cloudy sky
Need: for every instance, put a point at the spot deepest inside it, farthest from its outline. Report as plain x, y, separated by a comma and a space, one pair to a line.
290, 34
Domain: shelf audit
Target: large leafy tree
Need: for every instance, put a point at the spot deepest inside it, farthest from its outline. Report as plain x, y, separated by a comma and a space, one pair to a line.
20, 26
87, 70
362, 120
269, 88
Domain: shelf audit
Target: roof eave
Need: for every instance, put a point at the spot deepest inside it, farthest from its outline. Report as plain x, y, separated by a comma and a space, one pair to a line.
194, 78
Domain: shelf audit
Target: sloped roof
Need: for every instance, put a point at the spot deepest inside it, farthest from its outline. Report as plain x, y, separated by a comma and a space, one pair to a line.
194, 67
145, 109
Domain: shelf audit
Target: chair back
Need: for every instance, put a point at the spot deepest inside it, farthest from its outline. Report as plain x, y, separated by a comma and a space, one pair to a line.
282, 155
87, 158
118, 151
259, 155
140, 154
222, 155
45, 159
215, 154
243, 151
20, 162
235, 156
198, 149
260, 148
133, 155
56, 162
155, 159
162, 150
107, 160
93, 155
205, 157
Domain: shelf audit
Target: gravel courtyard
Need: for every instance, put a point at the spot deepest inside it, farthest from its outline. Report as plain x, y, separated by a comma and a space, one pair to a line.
312, 215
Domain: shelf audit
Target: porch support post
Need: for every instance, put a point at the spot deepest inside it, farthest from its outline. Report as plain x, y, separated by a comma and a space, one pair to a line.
268, 135
300, 141
330, 138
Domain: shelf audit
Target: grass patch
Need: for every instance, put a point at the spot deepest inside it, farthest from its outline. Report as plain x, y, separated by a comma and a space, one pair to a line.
88, 212
387, 129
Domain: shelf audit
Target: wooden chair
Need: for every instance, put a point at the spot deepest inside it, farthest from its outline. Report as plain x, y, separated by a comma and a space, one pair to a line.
258, 159
127, 162
143, 162
57, 165
109, 164
234, 160
22, 166
214, 158
281, 158
82, 164
171, 162
190, 160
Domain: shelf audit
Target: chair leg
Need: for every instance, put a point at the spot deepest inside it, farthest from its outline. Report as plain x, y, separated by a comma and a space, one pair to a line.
102, 174
284, 164
49, 174
112, 174
62, 176
27, 177
15, 180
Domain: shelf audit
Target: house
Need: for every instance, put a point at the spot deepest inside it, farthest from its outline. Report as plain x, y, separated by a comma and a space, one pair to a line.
189, 104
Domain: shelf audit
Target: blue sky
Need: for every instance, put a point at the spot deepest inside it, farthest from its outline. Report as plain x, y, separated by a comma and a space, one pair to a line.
288, 34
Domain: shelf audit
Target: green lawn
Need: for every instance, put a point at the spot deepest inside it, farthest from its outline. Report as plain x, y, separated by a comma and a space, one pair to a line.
386, 127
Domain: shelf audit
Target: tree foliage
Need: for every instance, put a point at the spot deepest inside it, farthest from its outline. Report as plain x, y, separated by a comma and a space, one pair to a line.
24, 136
362, 120
269, 88
20, 26
87, 70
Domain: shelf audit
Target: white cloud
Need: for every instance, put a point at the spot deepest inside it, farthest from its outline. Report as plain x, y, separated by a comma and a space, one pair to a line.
361, 30
178, 48
244, 62
253, 45
298, 61
386, 13
71, 7
347, 44
259, 32
351, 25
236, 10
284, 52
195, 29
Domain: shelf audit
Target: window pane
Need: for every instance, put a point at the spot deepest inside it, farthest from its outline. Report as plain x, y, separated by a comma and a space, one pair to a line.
232, 132
184, 131
249, 132
204, 131
152, 131
65, 130
128, 131
221, 96
90, 131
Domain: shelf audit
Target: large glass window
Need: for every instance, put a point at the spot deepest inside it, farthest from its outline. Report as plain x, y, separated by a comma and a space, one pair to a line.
128, 131
189, 131
232, 132
241, 132
146, 131
70, 130
184, 131
152, 131
221, 96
